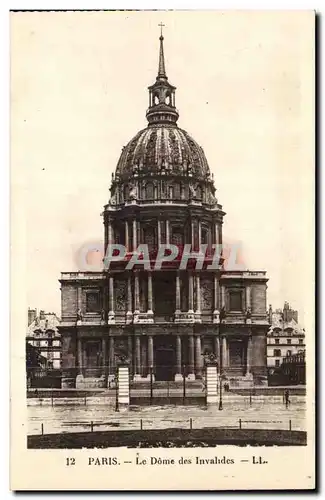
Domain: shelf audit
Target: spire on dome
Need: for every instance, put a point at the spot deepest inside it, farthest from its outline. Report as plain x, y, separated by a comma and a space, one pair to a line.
162, 94
161, 66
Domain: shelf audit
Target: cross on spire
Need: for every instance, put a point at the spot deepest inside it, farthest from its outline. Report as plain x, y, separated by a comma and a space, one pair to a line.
161, 27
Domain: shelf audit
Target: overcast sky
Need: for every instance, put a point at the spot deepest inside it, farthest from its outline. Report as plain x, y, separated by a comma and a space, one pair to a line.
244, 92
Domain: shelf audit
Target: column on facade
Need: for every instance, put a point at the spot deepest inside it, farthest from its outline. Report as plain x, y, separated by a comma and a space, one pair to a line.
167, 231
110, 239
191, 357
216, 311
150, 301
104, 362
136, 292
137, 364
248, 297
220, 234
217, 242
80, 360
190, 293
111, 356
224, 352
105, 236
198, 294
79, 299
199, 234
127, 235
105, 301
216, 292
84, 358
249, 355
223, 298
192, 234
134, 234
217, 348
150, 351
159, 232
178, 375
198, 357
130, 354
178, 292
129, 297
111, 295
209, 241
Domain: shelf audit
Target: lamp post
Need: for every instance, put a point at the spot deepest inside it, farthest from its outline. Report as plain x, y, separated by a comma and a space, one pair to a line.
151, 383
220, 371
184, 385
116, 391
222, 315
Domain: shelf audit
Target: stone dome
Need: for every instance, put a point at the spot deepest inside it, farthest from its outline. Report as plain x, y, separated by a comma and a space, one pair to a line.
162, 149
162, 163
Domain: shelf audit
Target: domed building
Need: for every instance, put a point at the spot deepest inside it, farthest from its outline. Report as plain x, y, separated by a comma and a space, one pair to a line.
163, 319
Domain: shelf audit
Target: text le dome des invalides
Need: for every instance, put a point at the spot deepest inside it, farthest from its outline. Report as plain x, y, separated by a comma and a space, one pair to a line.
163, 321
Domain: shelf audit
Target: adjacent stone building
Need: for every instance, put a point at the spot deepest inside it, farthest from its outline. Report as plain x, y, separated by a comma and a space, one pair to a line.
285, 337
43, 335
164, 320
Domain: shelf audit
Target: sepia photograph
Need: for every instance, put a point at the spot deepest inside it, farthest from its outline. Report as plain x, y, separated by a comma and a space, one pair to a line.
162, 179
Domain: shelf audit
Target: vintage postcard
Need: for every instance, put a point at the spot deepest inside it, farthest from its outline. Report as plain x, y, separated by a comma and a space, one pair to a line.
162, 208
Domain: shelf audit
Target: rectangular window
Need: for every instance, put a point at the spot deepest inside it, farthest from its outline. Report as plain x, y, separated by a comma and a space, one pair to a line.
277, 362
235, 300
301, 341
277, 341
93, 301
289, 341
277, 352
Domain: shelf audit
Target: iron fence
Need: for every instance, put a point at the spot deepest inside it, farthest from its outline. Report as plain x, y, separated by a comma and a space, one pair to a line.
152, 423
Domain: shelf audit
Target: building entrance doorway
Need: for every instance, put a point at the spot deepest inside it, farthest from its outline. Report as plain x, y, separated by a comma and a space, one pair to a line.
237, 356
93, 358
164, 359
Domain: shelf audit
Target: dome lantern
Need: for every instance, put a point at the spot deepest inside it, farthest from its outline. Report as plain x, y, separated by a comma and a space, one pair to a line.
162, 94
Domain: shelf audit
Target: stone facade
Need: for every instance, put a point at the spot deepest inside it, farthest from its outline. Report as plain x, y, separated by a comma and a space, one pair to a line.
163, 321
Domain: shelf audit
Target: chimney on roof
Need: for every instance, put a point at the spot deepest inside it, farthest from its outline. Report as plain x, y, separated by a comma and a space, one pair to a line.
42, 314
289, 314
32, 314
270, 314
285, 312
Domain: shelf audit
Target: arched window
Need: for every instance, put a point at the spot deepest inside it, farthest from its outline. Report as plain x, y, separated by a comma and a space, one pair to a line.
204, 236
149, 191
177, 190
199, 193
163, 189
177, 236
149, 237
